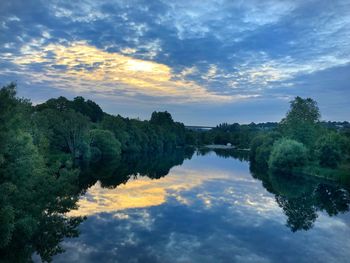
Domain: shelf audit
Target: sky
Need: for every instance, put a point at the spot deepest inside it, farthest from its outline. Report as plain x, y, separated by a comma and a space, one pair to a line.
206, 62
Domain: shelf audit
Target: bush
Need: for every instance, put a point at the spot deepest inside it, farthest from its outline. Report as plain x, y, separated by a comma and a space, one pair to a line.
260, 150
286, 155
328, 150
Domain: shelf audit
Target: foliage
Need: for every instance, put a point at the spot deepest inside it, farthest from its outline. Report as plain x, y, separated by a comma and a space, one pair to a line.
87, 108
302, 121
161, 118
329, 149
41, 154
108, 146
31, 191
260, 149
287, 154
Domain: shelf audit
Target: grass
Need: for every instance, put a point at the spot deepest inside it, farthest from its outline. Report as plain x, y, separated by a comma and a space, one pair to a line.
340, 174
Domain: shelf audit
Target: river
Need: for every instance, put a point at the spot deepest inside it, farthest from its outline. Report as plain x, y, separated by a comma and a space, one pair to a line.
209, 207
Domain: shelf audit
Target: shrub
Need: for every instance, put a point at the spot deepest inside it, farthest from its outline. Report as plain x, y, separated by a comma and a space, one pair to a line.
328, 150
260, 150
287, 154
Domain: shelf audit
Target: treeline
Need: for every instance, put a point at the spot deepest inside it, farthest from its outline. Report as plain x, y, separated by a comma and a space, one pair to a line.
238, 135
80, 128
241, 135
302, 144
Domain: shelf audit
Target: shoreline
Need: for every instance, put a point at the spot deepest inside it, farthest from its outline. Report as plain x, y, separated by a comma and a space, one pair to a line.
223, 147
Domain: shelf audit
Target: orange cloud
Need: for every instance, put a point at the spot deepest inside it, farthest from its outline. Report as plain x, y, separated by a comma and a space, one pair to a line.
83, 67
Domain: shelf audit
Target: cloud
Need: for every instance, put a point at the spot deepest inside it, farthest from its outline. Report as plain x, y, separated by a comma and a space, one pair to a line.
223, 19
83, 67
259, 70
216, 52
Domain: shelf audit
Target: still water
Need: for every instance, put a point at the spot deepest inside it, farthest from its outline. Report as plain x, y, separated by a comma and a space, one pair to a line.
210, 208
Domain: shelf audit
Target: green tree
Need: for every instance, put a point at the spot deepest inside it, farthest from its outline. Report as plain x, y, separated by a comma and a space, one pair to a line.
60, 104
87, 108
328, 150
302, 121
31, 192
260, 150
161, 118
105, 142
65, 130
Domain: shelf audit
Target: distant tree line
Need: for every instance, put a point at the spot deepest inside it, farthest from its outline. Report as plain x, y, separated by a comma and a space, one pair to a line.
238, 135
82, 129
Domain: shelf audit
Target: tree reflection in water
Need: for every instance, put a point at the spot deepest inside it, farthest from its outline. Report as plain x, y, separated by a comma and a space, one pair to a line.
301, 197
46, 219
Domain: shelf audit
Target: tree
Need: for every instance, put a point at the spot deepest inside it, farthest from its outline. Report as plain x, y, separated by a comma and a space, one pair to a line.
87, 108
287, 154
60, 104
65, 130
302, 121
31, 191
328, 150
161, 118
260, 150
105, 142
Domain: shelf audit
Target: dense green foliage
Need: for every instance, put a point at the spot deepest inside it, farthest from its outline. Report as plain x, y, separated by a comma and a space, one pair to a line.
33, 193
138, 136
329, 148
287, 154
67, 125
302, 121
260, 149
103, 144
88, 108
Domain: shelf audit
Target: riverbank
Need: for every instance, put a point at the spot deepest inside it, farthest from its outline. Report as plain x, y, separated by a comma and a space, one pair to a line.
224, 147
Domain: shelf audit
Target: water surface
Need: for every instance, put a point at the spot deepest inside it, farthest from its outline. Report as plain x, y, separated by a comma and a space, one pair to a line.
211, 209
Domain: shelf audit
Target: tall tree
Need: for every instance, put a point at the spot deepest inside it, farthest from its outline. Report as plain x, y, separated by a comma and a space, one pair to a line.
302, 121
161, 118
